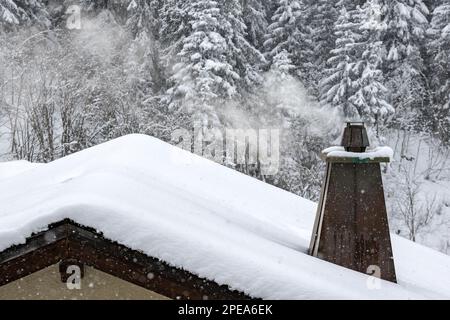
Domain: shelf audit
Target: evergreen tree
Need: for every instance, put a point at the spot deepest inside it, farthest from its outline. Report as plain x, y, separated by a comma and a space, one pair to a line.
439, 51
202, 74
144, 53
175, 27
337, 86
282, 64
404, 37
23, 12
289, 37
142, 17
247, 59
323, 18
255, 20
370, 97
214, 61
432, 4
406, 26
10, 14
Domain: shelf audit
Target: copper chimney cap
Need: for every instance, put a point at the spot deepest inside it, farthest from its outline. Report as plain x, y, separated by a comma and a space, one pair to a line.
355, 137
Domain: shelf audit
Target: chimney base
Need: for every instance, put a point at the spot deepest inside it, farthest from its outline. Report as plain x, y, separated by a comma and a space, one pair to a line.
351, 227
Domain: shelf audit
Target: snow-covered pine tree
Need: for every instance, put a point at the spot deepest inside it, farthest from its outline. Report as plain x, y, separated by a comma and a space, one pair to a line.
370, 97
254, 15
282, 65
407, 23
336, 88
94, 5
270, 7
406, 26
10, 14
301, 169
175, 27
142, 17
213, 60
202, 74
144, 57
146, 73
289, 36
118, 8
432, 4
323, 17
247, 59
439, 51
23, 12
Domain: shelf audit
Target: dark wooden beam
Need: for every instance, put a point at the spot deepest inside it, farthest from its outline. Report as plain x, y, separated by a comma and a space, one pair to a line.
67, 241
31, 262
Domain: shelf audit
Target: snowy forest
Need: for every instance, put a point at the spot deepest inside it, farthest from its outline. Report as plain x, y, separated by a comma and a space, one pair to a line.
77, 73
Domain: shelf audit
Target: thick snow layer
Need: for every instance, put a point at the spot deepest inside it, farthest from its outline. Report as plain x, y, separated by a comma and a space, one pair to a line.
203, 217
339, 152
10, 169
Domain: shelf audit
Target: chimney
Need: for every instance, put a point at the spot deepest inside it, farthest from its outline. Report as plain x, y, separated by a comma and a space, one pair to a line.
351, 227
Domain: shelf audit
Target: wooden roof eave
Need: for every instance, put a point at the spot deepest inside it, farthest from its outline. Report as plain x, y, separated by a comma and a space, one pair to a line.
67, 240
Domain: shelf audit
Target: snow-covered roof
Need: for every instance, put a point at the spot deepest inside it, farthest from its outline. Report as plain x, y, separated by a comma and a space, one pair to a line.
203, 217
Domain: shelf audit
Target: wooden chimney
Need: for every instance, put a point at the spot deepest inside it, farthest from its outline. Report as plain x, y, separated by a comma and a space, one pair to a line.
351, 227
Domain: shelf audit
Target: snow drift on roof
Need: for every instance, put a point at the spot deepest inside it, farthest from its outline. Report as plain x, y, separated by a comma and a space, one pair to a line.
203, 217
